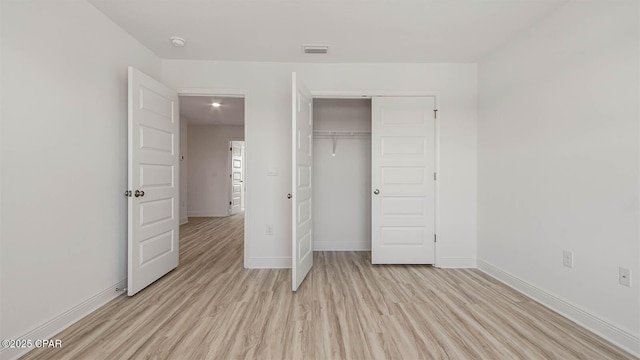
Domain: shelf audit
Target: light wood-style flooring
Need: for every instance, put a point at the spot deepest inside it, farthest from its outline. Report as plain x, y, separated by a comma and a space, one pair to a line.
212, 308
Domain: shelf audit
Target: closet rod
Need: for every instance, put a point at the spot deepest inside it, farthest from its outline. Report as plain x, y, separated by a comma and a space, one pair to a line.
335, 135
331, 134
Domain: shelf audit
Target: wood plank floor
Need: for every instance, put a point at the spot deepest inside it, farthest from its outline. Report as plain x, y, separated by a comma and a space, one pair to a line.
212, 308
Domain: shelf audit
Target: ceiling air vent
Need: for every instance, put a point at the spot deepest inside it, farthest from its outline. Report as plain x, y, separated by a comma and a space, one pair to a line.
315, 49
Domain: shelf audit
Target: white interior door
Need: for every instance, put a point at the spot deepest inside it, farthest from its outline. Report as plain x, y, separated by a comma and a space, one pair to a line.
301, 166
153, 181
402, 178
244, 171
236, 176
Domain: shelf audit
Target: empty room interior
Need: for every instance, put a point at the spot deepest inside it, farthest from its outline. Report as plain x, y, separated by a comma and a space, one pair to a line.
320, 179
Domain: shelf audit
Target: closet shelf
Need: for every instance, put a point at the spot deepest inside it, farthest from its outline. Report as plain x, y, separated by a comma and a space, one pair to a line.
328, 134
335, 135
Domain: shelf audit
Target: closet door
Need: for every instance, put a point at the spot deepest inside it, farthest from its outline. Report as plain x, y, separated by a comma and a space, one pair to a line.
301, 161
403, 185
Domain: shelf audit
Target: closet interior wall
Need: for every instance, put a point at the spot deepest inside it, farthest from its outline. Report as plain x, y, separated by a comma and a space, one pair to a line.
342, 174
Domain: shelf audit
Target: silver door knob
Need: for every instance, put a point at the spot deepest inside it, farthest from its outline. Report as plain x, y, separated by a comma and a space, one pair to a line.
138, 193
288, 196
376, 191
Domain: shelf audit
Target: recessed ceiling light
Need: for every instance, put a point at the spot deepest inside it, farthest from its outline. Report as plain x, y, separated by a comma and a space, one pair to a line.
177, 41
215, 104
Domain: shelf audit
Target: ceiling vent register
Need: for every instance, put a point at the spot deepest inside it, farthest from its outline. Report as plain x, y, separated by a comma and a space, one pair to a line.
315, 49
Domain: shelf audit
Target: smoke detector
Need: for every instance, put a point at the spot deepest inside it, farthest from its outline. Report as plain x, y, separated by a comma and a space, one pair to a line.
177, 41
315, 49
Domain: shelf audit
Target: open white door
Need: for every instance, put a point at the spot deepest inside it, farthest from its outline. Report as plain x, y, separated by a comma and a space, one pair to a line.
301, 161
153, 181
236, 177
403, 180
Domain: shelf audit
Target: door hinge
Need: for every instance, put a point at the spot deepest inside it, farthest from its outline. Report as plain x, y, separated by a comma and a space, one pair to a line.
435, 113
435, 177
229, 202
230, 149
434, 238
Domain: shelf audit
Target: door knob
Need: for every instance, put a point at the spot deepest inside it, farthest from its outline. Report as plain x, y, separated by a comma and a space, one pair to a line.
376, 191
138, 193
288, 196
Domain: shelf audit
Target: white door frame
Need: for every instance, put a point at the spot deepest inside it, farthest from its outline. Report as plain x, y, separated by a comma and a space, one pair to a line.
368, 94
231, 93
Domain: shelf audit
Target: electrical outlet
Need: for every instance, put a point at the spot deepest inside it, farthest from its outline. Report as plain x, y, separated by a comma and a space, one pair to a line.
567, 258
624, 277
269, 229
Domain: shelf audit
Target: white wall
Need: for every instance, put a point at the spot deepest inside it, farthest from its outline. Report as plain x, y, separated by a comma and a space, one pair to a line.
268, 117
184, 161
342, 183
208, 173
64, 156
558, 163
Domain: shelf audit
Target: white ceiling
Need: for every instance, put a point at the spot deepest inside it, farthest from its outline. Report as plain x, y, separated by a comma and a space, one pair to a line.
355, 30
198, 110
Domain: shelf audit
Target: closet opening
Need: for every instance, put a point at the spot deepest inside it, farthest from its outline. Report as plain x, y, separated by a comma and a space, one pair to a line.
363, 177
341, 174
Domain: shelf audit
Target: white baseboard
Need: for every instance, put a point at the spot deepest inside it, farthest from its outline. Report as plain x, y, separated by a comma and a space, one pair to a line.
456, 263
184, 221
341, 246
614, 334
54, 326
268, 263
205, 214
